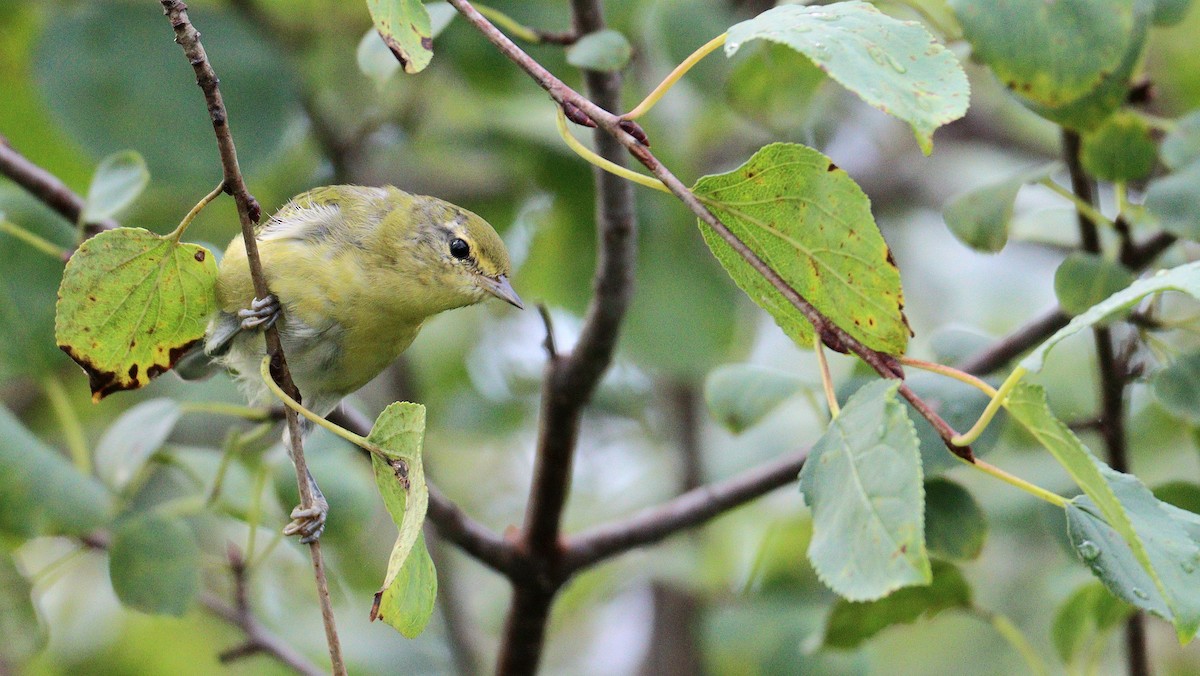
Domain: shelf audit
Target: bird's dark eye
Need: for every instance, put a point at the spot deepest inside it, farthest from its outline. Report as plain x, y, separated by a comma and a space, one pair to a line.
459, 249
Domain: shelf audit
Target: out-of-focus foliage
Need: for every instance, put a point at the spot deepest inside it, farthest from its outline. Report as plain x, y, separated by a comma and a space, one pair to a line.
84, 80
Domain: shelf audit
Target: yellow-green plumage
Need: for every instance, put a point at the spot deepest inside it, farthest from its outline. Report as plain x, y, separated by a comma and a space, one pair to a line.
356, 270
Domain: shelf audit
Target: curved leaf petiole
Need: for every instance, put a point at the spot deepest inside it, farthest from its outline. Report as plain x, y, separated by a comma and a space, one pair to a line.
826, 380
675, 75
993, 407
950, 372
191, 215
611, 167
1032, 489
361, 442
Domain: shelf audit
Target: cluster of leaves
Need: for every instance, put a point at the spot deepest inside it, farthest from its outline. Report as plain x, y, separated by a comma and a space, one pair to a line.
889, 531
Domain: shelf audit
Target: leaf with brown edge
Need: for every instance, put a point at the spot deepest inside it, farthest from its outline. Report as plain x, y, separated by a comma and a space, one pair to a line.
131, 303
812, 224
406, 29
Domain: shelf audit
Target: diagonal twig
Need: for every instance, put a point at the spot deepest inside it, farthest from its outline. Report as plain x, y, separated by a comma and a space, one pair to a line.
188, 39
46, 187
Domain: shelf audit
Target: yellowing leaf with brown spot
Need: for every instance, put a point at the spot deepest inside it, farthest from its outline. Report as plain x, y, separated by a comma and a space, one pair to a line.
131, 303
812, 224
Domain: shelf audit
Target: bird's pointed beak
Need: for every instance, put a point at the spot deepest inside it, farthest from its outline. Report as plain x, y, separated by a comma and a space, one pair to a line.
502, 289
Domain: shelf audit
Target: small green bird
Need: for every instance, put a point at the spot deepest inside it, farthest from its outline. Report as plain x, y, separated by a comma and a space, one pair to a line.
355, 271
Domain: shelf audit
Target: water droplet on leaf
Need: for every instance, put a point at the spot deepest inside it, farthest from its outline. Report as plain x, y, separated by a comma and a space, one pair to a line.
1140, 594
1088, 550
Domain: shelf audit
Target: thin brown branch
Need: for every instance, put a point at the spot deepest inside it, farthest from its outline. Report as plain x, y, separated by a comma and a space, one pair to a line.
619, 129
686, 511
570, 380
1112, 379
992, 358
188, 38
46, 187
258, 638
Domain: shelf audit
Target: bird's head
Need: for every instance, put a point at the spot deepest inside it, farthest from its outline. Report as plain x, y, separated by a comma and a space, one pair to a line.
462, 254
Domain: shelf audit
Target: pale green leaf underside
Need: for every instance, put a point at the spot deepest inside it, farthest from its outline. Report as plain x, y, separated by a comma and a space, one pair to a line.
154, 564
1185, 278
1088, 612
406, 29
1175, 200
980, 218
1177, 387
118, 181
862, 481
24, 633
130, 305
739, 395
133, 438
895, 66
406, 599
812, 224
1083, 280
605, 51
1123, 503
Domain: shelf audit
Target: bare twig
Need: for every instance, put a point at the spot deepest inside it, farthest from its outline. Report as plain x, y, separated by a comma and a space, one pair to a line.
1112, 380
258, 639
620, 130
690, 509
188, 38
571, 379
46, 187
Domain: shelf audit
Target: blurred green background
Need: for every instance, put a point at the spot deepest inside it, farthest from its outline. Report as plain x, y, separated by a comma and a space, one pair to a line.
79, 80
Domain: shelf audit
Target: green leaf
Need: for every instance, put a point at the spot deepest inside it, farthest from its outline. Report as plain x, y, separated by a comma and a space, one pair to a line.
1168, 588
1121, 149
375, 58
131, 304
1181, 146
774, 85
23, 631
154, 564
406, 599
135, 436
1177, 387
42, 493
1175, 200
895, 66
118, 181
1182, 494
980, 218
1089, 612
1072, 59
850, 624
862, 481
27, 289
1083, 280
1159, 548
406, 29
1185, 278
1170, 12
605, 51
740, 395
955, 525
812, 224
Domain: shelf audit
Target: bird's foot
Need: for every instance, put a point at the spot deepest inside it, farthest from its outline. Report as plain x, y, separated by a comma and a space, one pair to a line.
261, 314
308, 522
